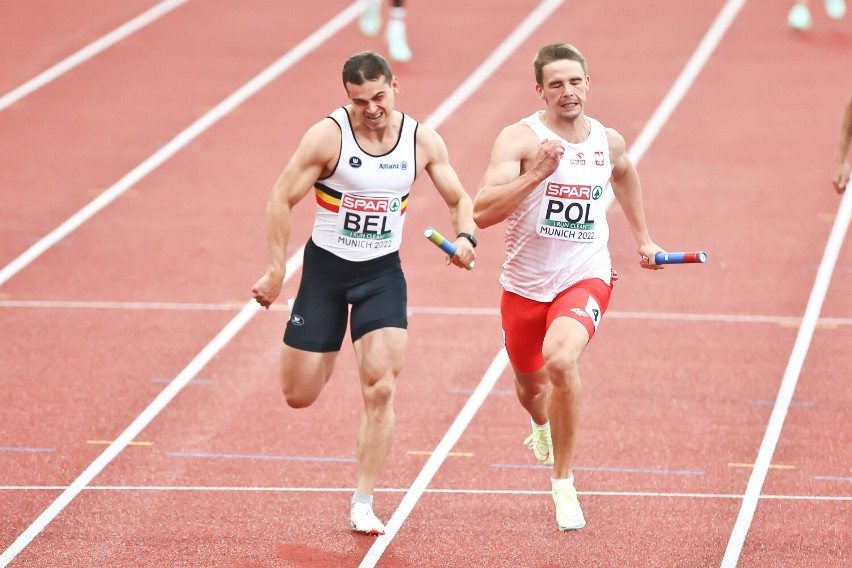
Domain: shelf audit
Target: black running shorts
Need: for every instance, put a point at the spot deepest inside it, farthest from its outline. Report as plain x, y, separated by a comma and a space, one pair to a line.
374, 288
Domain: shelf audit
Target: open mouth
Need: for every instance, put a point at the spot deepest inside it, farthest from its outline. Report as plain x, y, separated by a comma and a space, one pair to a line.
373, 118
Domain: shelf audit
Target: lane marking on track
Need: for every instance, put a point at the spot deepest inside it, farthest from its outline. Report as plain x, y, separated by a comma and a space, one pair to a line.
258, 457
770, 466
146, 417
682, 84
494, 392
89, 51
603, 469
413, 494
192, 382
788, 382
784, 321
478, 78
646, 137
108, 442
180, 141
430, 452
434, 491
803, 403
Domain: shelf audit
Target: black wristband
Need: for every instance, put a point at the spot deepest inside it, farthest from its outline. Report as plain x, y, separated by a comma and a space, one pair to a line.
469, 237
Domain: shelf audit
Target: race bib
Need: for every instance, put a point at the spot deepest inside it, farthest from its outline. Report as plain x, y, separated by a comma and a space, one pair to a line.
364, 222
567, 212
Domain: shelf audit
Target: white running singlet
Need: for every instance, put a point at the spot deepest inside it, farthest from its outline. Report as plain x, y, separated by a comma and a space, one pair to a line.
558, 234
361, 205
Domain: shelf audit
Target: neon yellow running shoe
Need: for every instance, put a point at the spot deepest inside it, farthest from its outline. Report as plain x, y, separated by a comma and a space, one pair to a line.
541, 444
569, 515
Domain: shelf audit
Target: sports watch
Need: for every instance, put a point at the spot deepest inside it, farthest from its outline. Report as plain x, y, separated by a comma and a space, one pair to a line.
469, 237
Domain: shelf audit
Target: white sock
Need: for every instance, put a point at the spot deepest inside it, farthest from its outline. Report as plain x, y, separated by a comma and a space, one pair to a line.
373, 4
562, 482
359, 497
544, 426
396, 13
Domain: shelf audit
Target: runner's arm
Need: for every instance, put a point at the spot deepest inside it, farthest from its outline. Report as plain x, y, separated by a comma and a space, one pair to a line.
504, 185
306, 165
449, 186
628, 191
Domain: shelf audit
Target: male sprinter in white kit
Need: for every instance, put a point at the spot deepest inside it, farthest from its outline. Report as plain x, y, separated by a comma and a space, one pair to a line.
361, 162
546, 176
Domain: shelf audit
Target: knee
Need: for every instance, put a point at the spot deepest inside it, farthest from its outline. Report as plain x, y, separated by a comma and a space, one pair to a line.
531, 387
562, 368
299, 393
296, 399
379, 395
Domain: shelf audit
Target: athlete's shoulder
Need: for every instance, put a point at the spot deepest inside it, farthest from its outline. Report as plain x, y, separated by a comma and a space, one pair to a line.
429, 141
322, 139
517, 139
616, 142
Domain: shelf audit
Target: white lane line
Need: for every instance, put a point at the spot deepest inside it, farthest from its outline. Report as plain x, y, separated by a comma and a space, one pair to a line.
89, 51
788, 383
687, 77
499, 56
522, 492
683, 83
647, 136
413, 494
181, 140
425, 310
146, 417
456, 99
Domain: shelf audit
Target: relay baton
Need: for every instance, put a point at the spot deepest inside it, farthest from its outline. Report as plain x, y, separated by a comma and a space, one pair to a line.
442, 243
680, 257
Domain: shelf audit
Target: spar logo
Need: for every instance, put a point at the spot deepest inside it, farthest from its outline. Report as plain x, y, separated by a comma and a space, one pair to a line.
365, 204
566, 191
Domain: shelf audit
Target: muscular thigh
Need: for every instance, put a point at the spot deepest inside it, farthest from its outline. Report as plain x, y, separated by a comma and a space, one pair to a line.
524, 325
318, 320
526, 322
375, 289
379, 299
584, 302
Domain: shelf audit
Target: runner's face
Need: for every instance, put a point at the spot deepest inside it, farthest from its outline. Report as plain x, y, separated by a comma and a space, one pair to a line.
564, 88
373, 101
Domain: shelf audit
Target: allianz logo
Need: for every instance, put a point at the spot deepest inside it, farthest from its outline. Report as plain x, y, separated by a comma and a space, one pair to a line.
399, 166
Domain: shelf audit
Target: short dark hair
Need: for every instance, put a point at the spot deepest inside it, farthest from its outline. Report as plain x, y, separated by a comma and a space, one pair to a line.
366, 66
556, 52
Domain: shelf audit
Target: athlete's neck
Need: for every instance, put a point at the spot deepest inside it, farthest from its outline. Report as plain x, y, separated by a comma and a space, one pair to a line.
574, 130
378, 138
